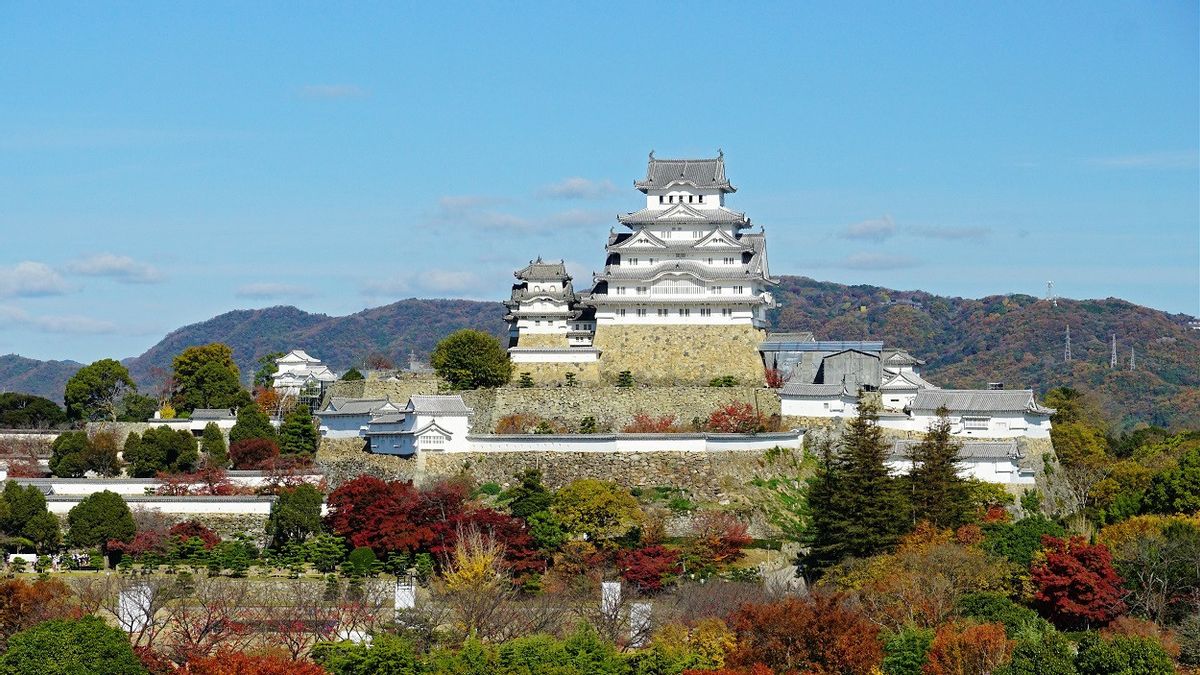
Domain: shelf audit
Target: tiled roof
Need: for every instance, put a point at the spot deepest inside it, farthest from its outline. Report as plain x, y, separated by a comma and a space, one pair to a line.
899, 357
699, 172
978, 400
801, 336
907, 380
684, 214
538, 270
749, 271
212, 414
442, 405
805, 390
354, 406
902, 449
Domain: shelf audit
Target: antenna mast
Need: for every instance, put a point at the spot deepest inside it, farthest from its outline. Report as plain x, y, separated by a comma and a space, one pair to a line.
1112, 362
1067, 347
1132, 360
1050, 295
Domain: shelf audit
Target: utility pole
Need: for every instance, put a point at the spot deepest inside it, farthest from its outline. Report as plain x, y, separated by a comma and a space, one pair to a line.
1112, 362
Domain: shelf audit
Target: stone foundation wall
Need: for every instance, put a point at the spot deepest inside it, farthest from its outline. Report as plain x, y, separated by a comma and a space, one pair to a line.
611, 407
555, 374
398, 389
556, 340
680, 354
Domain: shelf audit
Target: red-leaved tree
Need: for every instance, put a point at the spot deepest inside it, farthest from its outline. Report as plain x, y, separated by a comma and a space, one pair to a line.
253, 453
650, 568
774, 378
738, 417
820, 633
239, 663
189, 529
649, 424
962, 649
720, 537
23, 604
394, 516
1077, 587
521, 557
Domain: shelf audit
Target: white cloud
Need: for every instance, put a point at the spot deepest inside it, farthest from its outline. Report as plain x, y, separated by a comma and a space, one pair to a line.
120, 268
332, 91
877, 261
576, 187
440, 283
29, 279
480, 211
269, 290
936, 232
876, 229
1185, 159
79, 325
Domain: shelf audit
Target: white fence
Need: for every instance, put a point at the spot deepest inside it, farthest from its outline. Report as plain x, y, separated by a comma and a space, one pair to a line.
633, 442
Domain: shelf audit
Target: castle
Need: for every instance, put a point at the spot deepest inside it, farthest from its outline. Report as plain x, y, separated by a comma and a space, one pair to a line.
682, 297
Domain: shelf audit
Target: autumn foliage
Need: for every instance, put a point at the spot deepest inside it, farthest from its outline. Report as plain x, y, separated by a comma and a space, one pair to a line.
649, 568
238, 663
737, 417
643, 423
1076, 585
23, 604
253, 453
820, 633
966, 649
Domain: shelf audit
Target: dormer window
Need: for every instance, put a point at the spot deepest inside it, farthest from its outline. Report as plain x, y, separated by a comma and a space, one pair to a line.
671, 199
690, 198
660, 199
700, 199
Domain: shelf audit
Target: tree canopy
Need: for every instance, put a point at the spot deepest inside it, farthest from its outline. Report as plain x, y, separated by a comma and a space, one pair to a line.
251, 422
26, 411
99, 518
471, 359
207, 377
71, 647
96, 391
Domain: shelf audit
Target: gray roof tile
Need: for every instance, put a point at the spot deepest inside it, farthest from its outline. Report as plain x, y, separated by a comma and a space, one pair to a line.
978, 400
700, 172
442, 405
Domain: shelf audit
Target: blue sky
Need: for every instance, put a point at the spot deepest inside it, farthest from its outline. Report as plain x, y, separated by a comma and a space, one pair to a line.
161, 163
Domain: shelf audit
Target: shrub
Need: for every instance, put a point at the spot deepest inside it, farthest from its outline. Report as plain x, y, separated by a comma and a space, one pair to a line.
517, 423
525, 381
471, 359
649, 568
1121, 655
647, 424
905, 653
602, 510
1076, 584
719, 538
820, 633
86, 645
625, 379
968, 648
98, 519
253, 453
737, 417
993, 607
192, 529
352, 375
723, 381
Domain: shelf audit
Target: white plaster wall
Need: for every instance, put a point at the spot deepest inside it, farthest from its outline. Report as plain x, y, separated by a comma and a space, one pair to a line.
815, 407
990, 470
62, 504
566, 355
633, 442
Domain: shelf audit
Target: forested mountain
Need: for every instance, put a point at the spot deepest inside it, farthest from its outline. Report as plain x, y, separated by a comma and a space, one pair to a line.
1017, 339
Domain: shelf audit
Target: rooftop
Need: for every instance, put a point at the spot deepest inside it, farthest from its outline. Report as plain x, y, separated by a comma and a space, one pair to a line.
901, 450
539, 270
979, 400
703, 173
441, 405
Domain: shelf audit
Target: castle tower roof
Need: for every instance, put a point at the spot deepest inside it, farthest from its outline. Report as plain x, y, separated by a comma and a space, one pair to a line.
539, 270
701, 173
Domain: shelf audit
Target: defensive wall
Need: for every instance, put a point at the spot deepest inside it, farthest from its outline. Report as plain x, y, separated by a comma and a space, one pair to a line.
670, 355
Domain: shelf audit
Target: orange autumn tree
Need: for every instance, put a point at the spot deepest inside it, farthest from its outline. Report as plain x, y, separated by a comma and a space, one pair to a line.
820, 633
239, 663
968, 649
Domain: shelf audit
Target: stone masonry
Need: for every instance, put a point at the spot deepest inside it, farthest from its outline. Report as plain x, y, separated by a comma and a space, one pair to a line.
669, 355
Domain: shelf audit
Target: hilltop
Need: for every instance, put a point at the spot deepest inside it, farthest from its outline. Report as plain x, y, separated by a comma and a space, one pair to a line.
1017, 339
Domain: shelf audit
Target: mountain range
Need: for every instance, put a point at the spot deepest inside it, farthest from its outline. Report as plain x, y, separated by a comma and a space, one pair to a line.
1015, 339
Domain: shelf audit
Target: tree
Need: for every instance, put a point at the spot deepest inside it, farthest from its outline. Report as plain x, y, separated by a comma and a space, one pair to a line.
95, 391
24, 604
25, 515
599, 509
26, 411
161, 450
264, 376
905, 652
1046, 653
1019, 541
70, 647
649, 568
212, 446
228, 662
1076, 585
530, 496
68, 454
471, 359
298, 435
206, 377
251, 422
99, 518
737, 417
352, 375
253, 453
996, 607
937, 493
1177, 490
854, 505
395, 516
1122, 655
968, 649
295, 515
137, 408
820, 633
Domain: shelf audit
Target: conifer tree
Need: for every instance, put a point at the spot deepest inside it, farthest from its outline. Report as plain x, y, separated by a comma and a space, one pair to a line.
855, 506
298, 435
938, 494
252, 422
212, 444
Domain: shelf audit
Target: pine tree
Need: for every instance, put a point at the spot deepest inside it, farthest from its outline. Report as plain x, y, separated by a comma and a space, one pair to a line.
298, 435
252, 422
938, 493
854, 506
212, 444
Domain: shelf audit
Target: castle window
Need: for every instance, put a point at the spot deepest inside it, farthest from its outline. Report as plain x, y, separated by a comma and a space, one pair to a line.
662, 312
621, 312
726, 312
689, 199
660, 199
620, 290
729, 261
685, 312
704, 311
671, 199
715, 290
633, 261
700, 199
680, 255
641, 290
641, 312
737, 290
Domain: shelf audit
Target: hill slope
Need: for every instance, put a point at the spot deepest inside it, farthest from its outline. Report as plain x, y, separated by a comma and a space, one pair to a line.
1015, 339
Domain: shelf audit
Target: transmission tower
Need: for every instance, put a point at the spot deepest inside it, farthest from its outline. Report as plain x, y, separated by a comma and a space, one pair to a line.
1112, 362
1132, 359
1067, 346
1050, 295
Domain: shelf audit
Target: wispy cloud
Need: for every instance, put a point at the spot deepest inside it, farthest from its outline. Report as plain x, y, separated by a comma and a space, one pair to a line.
31, 279
876, 229
484, 212
121, 268
272, 291
877, 261
73, 324
1183, 159
577, 188
436, 282
951, 232
329, 91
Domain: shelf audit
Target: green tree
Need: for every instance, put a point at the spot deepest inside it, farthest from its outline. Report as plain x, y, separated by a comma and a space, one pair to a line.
161, 449
68, 454
1122, 655
212, 445
26, 411
937, 493
137, 408
386, 654
855, 507
905, 652
324, 551
264, 375
599, 509
352, 375
295, 515
99, 518
207, 377
1042, 654
471, 359
1019, 541
86, 646
1176, 490
25, 515
529, 496
251, 422
95, 391
298, 434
